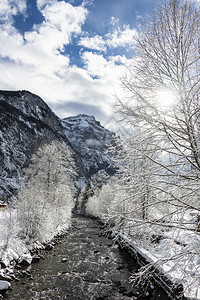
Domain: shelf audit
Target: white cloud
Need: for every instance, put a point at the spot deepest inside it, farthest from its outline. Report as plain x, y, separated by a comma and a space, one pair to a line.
35, 61
88, 3
108, 74
118, 38
107, 71
41, 4
64, 17
97, 65
8, 8
96, 43
114, 21
121, 38
41, 48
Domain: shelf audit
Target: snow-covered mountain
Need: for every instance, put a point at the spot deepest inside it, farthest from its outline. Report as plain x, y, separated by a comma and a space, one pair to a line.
90, 140
26, 122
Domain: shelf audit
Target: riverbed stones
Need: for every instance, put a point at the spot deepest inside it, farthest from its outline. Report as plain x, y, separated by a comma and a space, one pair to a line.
2, 265
4, 286
64, 259
130, 294
25, 273
122, 290
49, 247
36, 258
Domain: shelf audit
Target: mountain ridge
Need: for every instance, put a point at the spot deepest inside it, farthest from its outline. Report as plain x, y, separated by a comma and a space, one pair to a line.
27, 122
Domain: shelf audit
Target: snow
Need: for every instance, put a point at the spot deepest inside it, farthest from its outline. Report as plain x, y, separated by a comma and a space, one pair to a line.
174, 255
90, 140
93, 143
176, 252
83, 123
182, 261
23, 121
81, 183
12, 247
25, 258
174, 269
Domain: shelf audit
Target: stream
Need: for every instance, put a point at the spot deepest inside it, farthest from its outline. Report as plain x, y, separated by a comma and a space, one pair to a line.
84, 265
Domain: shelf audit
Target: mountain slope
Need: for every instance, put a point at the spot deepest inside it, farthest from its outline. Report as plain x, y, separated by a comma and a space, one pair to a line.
26, 122
90, 140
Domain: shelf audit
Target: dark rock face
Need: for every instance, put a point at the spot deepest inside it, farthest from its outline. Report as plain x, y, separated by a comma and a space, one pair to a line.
26, 122
90, 140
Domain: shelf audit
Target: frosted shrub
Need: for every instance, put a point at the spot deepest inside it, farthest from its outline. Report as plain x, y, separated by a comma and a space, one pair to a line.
7, 225
108, 203
93, 206
99, 204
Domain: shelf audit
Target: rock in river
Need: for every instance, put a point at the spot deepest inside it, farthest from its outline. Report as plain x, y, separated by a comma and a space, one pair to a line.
4, 286
64, 259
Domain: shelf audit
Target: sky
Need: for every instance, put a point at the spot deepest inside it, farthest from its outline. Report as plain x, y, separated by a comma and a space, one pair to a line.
70, 53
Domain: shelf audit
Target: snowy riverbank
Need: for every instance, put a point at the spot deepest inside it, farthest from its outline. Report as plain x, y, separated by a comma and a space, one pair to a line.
171, 250
13, 248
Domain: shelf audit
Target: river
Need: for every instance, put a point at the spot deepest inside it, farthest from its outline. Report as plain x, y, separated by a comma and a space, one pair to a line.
85, 265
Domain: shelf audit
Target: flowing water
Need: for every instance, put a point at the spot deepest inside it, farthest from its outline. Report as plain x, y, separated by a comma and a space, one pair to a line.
85, 265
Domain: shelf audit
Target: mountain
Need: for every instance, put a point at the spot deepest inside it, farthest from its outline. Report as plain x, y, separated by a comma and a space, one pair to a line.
26, 123
90, 140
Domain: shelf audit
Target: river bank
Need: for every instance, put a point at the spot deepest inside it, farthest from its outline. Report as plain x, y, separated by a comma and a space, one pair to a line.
84, 265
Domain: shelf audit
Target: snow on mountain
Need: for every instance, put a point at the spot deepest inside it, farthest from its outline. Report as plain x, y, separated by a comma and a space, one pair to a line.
26, 122
90, 140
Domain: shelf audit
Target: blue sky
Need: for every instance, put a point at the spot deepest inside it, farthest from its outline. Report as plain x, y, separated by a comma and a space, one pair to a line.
71, 53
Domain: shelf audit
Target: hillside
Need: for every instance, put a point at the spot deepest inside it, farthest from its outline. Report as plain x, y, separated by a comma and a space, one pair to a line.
90, 140
27, 122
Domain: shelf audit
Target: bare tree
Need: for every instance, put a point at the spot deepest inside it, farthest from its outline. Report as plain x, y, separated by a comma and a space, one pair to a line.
167, 65
161, 164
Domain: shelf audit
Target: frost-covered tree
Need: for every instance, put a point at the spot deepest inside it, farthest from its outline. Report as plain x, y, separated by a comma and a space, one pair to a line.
162, 102
161, 165
99, 202
159, 162
46, 201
